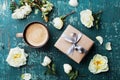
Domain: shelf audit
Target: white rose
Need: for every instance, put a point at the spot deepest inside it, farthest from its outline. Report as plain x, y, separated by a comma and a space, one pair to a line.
98, 64
87, 18
22, 12
67, 68
46, 61
16, 57
47, 7
73, 3
44, 9
57, 23
26, 76
17, 14
26, 10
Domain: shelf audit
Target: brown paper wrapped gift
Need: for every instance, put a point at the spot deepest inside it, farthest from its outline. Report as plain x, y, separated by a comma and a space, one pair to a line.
64, 45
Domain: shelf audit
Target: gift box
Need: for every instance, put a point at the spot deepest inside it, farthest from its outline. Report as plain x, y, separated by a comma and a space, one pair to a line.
74, 44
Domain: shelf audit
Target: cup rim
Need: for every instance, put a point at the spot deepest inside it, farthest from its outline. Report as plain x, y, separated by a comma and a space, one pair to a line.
24, 34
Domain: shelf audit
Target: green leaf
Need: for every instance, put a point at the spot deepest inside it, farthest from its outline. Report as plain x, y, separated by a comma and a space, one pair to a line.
48, 72
71, 73
51, 70
53, 67
97, 27
75, 75
97, 19
22, 76
13, 5
71, 77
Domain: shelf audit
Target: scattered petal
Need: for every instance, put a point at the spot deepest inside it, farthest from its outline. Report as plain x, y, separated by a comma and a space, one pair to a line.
100, 39
26, 76
73, 3
108, 46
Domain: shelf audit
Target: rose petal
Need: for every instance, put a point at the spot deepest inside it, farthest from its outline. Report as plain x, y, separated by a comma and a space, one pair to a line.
26, 76
100, 39
73, 3
108, 46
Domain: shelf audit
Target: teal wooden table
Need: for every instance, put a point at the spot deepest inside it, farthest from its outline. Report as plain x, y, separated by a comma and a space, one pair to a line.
109, 29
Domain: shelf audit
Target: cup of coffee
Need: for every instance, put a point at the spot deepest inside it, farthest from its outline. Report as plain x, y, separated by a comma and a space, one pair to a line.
35, 34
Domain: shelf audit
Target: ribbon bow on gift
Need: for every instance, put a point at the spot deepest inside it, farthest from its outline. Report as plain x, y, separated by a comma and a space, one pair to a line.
74, 39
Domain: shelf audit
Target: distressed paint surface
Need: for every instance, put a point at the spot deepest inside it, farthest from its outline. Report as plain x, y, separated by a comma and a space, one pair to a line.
109, 30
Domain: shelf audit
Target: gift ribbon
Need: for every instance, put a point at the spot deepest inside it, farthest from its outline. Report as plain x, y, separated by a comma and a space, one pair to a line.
74, 39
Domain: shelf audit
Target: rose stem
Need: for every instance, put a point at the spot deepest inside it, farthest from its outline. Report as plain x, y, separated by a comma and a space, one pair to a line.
63, 17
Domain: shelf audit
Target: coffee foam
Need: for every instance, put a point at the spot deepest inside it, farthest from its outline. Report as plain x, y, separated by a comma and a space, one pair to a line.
36, 34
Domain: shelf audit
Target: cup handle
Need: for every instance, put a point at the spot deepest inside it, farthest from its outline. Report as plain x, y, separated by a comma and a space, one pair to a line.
19, 35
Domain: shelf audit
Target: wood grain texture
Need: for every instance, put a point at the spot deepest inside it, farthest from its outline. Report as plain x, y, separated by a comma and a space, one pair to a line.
109, 30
